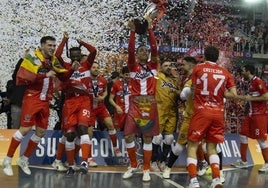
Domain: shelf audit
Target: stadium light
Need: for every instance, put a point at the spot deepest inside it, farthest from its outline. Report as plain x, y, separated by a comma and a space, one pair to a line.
253, 1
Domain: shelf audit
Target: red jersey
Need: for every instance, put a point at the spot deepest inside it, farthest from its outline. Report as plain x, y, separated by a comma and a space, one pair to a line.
79, 80
210, 82
32, 73
142, 80
256, 89
121, 91
96, 88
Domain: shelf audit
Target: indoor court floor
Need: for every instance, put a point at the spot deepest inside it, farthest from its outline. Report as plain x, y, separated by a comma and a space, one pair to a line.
111, 177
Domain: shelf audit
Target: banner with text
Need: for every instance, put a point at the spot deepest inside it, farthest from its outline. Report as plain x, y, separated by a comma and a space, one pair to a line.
103, 153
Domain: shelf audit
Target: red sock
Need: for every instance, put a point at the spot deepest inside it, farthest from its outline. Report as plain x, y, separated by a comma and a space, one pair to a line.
85, 151
113, 138
30, 148
192, 170
70, 157
60, 150
132, 157
243, 151
215, 168
265, 154
146, 159
90, 150
12, 147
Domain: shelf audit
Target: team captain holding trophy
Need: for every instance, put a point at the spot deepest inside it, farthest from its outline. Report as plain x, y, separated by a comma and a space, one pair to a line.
142, 115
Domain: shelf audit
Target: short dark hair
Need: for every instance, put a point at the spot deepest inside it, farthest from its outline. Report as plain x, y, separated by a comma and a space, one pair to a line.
114, 75
250, 68
75, 49
46, 38
190, 59
125, 70
211, 53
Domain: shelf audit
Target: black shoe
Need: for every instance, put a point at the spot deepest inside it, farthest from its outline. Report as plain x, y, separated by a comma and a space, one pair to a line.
83, 169
70, 172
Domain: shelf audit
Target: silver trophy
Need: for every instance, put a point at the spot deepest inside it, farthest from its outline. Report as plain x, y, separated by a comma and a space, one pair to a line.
141, 23
151, 11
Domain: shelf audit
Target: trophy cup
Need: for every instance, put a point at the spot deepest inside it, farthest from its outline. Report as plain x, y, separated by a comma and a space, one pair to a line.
155, 10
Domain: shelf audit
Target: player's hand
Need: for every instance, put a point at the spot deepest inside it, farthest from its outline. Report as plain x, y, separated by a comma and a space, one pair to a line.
65, 35
131, 24
119, 110
75, 65
79, 41
51, 74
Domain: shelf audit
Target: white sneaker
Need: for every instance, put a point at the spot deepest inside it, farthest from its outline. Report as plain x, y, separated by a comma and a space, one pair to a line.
117, 152
240, 164
7, 167
129, 173
216, 183
23, 164
166, 173
222, 177
202, 168
92, 162
264, 168
58, 165
154, 167
194, 183
162, 166
146, 175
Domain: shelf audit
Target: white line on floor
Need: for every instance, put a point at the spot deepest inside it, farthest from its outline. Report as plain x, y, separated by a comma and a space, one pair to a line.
169, 181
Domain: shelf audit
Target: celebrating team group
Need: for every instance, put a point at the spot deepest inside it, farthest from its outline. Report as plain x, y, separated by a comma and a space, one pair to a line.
145, 100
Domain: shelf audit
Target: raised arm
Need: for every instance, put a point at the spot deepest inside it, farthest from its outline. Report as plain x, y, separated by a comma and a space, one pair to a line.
61, 46
153, 44
131, 44
92, 51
